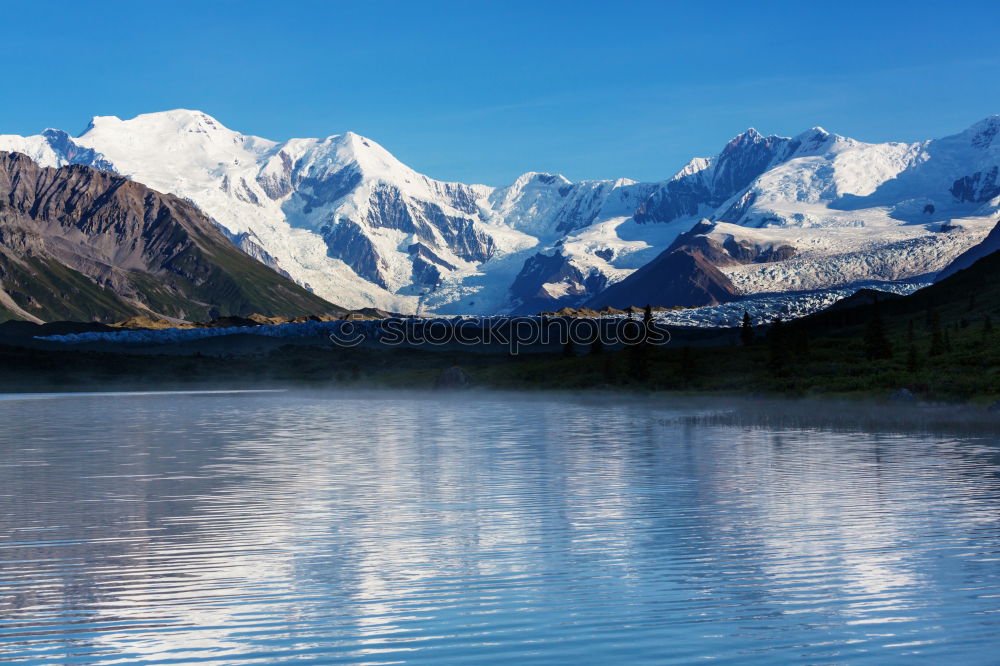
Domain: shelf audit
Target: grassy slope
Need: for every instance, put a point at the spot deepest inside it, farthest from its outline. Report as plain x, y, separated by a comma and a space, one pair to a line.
242, 285
228, 282
52, 291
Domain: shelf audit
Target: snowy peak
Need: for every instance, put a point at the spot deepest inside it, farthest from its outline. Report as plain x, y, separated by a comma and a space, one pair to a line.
338, 151
546, 205
179, 151
758, 179
539, 179
815, 134
530, 203
815, 141
696, 165
704, 184
175, 121
178, 130
983, 134
744, 158
750, 136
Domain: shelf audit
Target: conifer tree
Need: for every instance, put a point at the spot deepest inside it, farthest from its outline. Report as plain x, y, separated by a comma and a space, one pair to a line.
596, 343
746, 330
639, 363
777, 354
912, 361
639, 353
798, 340
647, 324
937, 338
688, 367
876, 342
610, 376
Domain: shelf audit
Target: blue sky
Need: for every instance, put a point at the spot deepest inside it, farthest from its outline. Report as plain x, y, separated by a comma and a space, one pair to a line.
482, 91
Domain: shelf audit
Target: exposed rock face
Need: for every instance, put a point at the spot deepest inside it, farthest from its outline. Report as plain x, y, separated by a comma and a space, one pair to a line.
319, 190
585, 202
676, 277
427, 266
62, 143
277, 182
979, 187
84, 244
348, 242
548, 282
251, 244
545, 204
351, 239
706, 184
723, 249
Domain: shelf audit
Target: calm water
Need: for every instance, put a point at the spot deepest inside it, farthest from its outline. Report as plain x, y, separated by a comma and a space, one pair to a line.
362, 529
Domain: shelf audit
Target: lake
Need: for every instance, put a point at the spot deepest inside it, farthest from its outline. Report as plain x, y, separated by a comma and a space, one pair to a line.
391, 528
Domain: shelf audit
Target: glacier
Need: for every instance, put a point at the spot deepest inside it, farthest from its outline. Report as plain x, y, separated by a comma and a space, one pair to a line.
763, 309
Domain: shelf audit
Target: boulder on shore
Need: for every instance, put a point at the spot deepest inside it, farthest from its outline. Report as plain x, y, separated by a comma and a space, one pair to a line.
903, 395
453, 378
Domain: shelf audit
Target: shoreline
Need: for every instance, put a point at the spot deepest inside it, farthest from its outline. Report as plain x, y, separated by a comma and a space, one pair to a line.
680, 408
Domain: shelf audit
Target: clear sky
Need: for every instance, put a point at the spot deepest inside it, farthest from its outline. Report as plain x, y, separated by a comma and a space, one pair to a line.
483, 91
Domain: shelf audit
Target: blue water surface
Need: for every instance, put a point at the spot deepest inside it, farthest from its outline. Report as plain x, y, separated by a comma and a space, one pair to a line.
386, 528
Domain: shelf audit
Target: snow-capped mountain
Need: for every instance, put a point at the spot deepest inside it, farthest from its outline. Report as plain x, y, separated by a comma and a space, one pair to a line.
820, 210
345, 218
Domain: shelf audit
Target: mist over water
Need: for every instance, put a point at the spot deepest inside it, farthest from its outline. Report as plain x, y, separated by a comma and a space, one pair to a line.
389, 528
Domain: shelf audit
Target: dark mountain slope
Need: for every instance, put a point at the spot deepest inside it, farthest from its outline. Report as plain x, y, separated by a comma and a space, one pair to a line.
966, 297
675, 277
83, 244
989, 244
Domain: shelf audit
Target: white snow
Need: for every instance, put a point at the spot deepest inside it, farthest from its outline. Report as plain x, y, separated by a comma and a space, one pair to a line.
36, 147
845, 250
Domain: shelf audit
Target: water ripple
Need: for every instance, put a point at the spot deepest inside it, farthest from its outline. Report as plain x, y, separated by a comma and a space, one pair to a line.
376, 528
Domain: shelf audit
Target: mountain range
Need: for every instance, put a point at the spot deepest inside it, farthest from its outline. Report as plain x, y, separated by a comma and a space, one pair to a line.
352, 225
